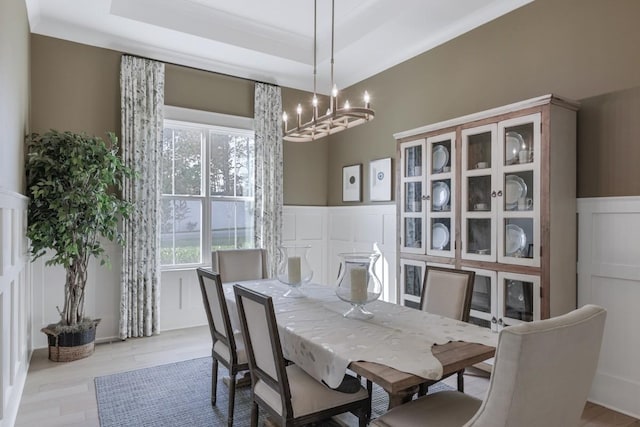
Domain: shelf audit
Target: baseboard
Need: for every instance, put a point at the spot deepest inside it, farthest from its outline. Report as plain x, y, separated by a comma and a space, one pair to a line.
15, 395
618, 394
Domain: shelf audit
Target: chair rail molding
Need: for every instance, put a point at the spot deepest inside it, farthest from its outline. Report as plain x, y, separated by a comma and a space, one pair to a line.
15, 304
609, 275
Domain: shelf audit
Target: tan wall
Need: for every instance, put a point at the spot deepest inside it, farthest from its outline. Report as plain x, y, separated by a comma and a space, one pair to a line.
201, 90
305, 165
76, 87
573, 48
14, 92
609, 150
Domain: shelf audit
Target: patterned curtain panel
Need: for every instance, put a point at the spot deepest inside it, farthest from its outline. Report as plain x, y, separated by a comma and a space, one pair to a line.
142, 98
268, 191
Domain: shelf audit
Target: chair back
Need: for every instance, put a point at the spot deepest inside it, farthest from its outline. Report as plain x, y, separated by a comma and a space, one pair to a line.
236, 265
262, 341
217, 312
447, 292
543, 371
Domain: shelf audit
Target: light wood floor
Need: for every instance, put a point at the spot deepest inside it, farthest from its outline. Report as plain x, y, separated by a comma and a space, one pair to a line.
63, 394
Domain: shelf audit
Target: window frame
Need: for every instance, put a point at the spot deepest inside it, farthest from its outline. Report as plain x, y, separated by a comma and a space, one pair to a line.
208, 121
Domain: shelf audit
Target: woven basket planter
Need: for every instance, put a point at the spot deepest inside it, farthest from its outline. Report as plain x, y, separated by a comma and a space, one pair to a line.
70, 346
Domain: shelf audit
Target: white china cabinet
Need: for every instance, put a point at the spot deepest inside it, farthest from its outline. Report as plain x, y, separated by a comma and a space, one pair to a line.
493, 192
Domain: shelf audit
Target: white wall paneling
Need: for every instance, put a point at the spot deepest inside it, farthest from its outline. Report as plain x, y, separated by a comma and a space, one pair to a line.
307, 225
102, 295
365, 229
15, 294
181, 300
328, 230
609, 275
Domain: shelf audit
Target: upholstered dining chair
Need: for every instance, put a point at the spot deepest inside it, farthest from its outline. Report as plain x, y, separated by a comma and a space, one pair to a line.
228, 346
287, 393
236, 265
541, 377
447, 292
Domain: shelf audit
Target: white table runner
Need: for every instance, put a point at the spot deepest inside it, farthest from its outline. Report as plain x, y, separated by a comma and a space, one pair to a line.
316, 336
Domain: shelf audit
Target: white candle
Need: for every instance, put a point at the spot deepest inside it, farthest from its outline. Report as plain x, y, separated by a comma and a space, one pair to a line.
293, 268
359, 285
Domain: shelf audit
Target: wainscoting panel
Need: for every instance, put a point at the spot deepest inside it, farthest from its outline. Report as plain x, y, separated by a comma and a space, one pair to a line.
328, 230
609, 275
102, 295
15, 293
364, 229
307, 225
181, 300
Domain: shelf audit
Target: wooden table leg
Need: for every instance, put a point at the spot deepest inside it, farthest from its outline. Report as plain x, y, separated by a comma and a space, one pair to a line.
404, 396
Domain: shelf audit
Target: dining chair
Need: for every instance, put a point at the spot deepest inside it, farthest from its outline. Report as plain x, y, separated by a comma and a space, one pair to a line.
236, 265
541, 377
228, 346
447, 292
287, 393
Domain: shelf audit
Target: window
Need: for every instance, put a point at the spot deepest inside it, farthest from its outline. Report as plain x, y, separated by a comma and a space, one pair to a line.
207, 179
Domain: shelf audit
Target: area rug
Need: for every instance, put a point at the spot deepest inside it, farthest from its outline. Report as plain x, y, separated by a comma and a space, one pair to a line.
178, 395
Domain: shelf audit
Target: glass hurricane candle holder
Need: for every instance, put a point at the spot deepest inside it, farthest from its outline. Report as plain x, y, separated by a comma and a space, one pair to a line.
358, 283
293, 268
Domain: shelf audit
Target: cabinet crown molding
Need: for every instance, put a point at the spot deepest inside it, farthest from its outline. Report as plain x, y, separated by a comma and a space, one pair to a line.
528, 103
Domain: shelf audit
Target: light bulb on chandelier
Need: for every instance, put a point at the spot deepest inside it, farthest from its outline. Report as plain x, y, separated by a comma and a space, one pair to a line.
336, 119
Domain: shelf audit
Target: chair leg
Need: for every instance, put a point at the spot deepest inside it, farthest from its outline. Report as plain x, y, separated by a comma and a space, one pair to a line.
423, 389
461, 381
214, 380
254, 415
232, 398
364, 417
370, 393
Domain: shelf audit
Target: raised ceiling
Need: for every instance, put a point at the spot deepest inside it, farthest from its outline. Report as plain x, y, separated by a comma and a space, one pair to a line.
267, 40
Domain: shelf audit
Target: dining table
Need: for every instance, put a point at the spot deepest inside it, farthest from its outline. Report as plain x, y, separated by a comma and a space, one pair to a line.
399, 348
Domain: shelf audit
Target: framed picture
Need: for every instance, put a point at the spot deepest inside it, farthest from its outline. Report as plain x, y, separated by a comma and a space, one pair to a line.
380, 180
351, 183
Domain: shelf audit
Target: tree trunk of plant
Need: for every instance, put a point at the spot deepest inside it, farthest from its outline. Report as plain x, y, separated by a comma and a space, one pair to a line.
73, 311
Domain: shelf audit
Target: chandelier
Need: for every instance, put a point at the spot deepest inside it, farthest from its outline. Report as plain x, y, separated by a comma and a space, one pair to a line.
336, 119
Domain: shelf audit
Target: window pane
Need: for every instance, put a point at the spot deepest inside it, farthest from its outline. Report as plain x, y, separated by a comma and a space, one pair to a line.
207, 183
180, 232
231, 164
232, 224
182, 161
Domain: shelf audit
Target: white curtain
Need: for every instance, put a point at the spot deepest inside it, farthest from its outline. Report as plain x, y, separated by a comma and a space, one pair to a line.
268, 182
142, 101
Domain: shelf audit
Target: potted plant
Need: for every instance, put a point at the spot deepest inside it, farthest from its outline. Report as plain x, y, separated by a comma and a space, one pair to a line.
73, 181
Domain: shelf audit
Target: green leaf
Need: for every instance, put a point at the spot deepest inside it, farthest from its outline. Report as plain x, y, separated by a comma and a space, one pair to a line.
72, 179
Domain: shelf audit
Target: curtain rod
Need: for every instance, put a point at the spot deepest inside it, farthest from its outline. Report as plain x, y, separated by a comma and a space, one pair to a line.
199, 69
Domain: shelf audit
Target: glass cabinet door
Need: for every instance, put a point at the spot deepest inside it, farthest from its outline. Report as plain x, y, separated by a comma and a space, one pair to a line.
413, 197
519, 213
518, 298
440, 184
484, 300
479, 204
501, 192
411, 278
